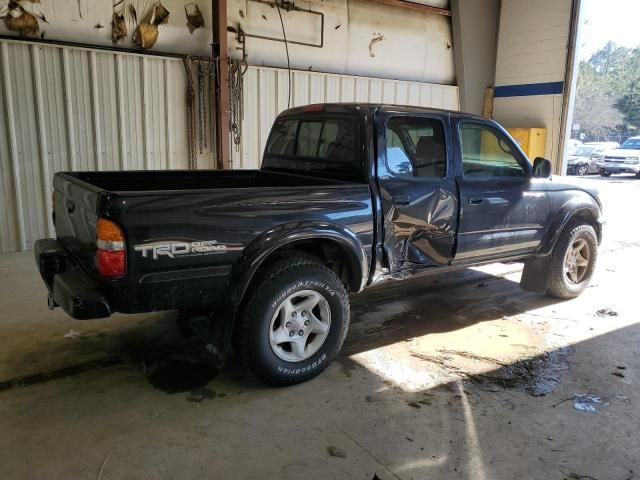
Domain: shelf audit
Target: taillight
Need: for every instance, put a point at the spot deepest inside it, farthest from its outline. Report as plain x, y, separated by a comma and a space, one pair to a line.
110, 256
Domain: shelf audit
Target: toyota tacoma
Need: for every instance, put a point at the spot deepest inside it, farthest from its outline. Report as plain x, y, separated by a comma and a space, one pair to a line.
347, 196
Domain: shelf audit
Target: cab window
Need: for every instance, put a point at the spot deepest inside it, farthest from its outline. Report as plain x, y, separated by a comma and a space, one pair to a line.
416, 146
487, 153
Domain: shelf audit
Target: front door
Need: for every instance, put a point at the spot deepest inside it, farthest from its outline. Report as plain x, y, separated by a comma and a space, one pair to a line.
418, 190
503, 209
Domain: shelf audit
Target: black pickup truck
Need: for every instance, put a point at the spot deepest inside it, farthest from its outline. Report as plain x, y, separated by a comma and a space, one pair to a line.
348, 195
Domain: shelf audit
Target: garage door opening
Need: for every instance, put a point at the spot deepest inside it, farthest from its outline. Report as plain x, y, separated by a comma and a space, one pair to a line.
604, 132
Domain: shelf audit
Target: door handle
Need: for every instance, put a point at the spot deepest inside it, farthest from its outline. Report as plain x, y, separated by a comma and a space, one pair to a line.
71, 207
475, 200
401, 200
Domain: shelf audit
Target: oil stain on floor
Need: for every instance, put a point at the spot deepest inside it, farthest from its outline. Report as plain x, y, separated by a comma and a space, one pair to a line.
179, 376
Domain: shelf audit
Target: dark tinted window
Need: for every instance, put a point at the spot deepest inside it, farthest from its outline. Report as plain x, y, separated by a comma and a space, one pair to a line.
283, 138
324, 144
416, 145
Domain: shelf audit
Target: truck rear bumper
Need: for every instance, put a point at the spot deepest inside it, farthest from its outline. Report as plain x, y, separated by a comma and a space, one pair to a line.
69, 287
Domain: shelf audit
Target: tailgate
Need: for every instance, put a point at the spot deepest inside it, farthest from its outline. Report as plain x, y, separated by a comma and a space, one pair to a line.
75, 217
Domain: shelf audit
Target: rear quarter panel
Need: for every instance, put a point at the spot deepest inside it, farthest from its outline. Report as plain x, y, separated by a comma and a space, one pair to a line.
181, 246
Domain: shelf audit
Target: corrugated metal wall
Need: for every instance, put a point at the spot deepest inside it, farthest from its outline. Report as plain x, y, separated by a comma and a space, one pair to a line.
266, 89
79, 109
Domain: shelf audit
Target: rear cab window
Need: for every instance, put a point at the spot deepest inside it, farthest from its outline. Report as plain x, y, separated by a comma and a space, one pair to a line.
323, 144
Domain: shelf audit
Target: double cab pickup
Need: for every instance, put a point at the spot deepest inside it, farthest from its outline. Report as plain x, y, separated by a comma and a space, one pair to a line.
347, 196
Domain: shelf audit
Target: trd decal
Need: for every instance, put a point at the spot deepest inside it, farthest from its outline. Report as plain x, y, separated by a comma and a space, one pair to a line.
183, 249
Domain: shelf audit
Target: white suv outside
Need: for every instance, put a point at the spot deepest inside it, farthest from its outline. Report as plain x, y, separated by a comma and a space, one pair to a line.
624, 159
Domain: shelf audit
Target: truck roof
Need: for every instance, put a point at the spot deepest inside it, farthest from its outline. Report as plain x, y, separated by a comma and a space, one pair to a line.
355, 106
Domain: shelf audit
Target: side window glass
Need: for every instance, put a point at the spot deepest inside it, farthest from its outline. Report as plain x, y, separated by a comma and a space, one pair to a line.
486, 153
416, 146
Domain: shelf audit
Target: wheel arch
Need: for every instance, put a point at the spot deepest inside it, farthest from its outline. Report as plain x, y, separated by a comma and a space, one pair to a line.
585, 209
335, 246
537, 267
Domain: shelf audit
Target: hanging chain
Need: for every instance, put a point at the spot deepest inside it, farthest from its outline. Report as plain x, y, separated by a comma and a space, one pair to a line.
202, 114
210, 88
199, 98
237, 69
191, 116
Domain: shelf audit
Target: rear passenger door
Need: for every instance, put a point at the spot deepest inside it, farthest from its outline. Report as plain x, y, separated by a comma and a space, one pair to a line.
418, 190
503, 209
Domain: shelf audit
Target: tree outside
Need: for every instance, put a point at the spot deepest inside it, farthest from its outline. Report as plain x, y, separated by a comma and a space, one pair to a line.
607, 104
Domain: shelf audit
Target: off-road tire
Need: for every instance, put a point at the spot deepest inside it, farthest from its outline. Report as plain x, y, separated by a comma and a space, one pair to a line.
558, 285
282, 278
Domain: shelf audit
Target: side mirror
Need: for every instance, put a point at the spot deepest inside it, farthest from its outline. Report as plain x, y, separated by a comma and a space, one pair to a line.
541, 168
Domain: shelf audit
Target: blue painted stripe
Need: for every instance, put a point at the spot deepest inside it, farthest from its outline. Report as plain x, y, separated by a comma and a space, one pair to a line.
549, 88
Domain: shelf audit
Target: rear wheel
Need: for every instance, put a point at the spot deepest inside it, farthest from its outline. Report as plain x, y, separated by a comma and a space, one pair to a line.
605, 174
573, 260
295, 321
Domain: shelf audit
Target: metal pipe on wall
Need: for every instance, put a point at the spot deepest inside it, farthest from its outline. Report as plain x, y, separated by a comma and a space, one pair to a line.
222, 104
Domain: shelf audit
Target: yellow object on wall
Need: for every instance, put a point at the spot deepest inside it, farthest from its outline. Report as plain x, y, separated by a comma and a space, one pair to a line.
531, 140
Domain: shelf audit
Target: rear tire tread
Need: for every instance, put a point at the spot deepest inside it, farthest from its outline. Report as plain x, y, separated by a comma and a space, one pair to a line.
298, 266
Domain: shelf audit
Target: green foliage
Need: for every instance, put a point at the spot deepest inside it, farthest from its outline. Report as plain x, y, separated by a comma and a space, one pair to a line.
608, 93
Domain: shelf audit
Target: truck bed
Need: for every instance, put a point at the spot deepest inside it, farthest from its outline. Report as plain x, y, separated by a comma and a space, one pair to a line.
177, 209
181, 180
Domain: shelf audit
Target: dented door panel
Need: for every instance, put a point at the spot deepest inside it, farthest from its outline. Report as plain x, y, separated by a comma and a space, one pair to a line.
420, 214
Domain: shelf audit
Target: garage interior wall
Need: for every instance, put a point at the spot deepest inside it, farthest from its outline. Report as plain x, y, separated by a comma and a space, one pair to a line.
361, 38
475, 36
89, 22
530, 67
81, 109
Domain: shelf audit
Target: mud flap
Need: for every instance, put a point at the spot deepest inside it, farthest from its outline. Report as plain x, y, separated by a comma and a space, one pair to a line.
536, 274
214, 334
221, 332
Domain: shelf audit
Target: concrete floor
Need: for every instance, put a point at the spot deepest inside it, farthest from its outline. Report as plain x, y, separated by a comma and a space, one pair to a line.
464, 376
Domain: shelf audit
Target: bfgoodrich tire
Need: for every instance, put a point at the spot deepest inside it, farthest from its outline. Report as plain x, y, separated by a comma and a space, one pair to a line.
294, 322
573, 260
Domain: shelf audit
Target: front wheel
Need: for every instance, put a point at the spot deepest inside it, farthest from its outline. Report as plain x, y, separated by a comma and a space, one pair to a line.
573, 260
582, 170
294, 322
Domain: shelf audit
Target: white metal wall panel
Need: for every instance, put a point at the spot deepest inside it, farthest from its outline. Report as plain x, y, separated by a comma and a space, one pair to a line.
532, 49
80, 109
266, 89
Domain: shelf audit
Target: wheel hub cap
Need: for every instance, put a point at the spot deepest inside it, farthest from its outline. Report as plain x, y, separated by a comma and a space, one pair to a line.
300, 325
576, 261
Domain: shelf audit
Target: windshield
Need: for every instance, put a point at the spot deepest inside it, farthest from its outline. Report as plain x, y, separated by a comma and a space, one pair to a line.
583, 151
631, 144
